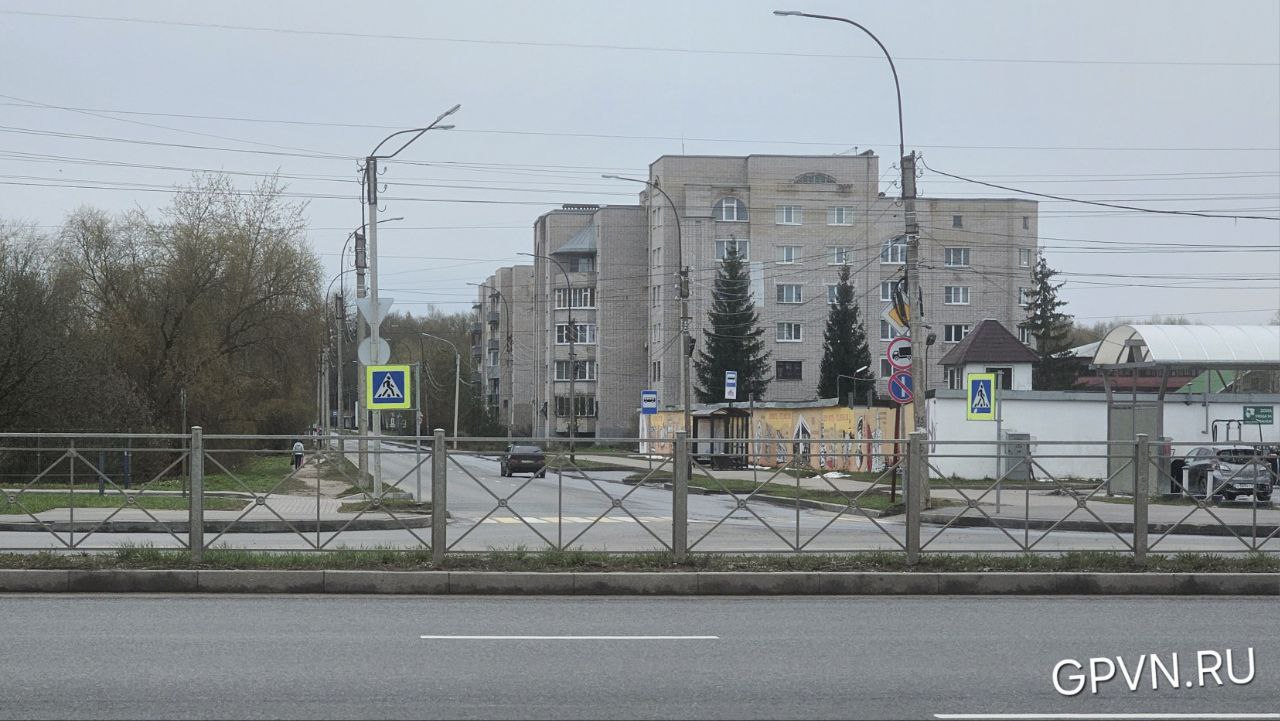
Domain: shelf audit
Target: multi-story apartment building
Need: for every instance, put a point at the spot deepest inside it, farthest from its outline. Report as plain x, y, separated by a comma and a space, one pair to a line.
589, 268
502, 345
796, 220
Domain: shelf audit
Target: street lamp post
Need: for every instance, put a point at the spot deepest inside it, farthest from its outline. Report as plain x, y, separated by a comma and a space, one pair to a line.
370, 180
686, 351
457, 380
511, 362
908, 165
853, 378
573, 356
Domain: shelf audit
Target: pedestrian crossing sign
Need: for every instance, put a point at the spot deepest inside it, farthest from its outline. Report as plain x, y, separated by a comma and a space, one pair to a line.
387, 387
980, 399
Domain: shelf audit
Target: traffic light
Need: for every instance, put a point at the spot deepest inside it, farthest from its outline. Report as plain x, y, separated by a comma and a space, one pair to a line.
689, 343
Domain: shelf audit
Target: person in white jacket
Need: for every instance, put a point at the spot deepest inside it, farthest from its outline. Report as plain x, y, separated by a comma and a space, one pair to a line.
297, 454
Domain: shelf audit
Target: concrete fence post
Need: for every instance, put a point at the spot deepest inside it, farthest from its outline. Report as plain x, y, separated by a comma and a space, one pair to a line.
195, 504
680, 497
1141, 474
439, 493
917, 482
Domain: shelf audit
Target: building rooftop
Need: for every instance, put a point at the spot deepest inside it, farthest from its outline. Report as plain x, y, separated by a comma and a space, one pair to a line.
990, 342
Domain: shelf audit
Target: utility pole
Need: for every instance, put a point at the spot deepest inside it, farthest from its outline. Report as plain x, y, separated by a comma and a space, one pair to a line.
362, 416
915, 294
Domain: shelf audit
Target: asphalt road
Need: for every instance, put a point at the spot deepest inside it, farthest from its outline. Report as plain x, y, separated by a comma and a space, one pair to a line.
771, 657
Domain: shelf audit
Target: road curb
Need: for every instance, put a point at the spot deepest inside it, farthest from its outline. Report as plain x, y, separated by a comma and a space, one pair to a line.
291, 525
1155, 529
664, 583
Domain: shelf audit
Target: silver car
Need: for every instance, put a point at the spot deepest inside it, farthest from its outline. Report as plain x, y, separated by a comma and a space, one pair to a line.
1231, 471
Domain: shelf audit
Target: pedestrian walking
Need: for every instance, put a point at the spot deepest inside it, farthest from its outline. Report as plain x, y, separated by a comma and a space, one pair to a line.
297, 454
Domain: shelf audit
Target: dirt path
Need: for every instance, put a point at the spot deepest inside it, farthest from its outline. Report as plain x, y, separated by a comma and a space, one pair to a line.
309, 474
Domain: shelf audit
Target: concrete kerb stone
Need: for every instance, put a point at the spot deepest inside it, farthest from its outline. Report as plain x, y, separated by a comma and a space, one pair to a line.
661, 583
387, 582
132, 581
235, 581
635, 583
499, 583
35, 580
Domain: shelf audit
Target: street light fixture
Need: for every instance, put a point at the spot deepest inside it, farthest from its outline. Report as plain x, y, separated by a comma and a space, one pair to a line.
573, 356
908, 166
457, 380
686, 350
370, 180
853, 377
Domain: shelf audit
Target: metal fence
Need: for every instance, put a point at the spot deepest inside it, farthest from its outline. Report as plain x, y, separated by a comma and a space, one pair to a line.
194, 491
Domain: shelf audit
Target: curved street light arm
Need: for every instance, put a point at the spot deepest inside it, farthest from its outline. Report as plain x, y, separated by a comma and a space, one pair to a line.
902, 151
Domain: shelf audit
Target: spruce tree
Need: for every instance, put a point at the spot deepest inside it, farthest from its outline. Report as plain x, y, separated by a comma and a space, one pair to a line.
1051, 330
844, 348
734, 341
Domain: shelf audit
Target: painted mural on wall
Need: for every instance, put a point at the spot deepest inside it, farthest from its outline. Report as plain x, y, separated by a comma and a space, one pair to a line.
832, 438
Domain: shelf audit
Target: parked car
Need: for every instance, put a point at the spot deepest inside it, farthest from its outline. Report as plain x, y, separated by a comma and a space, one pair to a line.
1230, 471
521, 458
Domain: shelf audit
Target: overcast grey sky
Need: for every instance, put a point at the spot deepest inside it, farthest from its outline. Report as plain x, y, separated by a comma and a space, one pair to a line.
1170, 105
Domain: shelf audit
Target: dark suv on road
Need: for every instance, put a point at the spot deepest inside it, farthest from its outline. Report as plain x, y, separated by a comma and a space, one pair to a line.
524, 459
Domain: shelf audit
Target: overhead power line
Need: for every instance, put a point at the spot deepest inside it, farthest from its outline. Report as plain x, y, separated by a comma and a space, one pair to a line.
629, 48
1011, 189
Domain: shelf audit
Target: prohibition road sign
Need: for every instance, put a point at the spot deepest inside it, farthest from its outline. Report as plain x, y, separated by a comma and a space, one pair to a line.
899, 353
900, 387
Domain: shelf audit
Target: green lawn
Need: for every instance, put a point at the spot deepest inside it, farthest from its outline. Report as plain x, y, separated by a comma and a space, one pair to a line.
256, 473
562, 463
37, 502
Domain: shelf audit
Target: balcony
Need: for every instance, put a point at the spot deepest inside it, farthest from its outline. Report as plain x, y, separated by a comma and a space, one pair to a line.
495, 344
477, 327
494, 317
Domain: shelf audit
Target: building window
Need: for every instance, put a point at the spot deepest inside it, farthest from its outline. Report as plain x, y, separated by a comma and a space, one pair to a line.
957, 221
886, 368
586, 334
730, 210
582, 298
493, 356
955, 378
1024, 257
889, 331
789, 370
790, 293
955, 295
581, 264
956, 257
1024, 297
655, 331
789, 333
1026, 222
838, 255
955, 332
656, 370
833, 293
894, 251
741, 248
586, 370
886, 291
788, 254
653, 295
584, 406
840, 215
789, 215
815, 179
1024, 335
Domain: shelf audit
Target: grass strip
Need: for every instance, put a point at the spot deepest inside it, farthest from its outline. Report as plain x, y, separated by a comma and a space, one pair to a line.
393, 505
519, 559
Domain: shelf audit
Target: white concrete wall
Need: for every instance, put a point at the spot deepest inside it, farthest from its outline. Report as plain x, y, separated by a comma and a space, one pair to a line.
1077, 419
1021, 372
